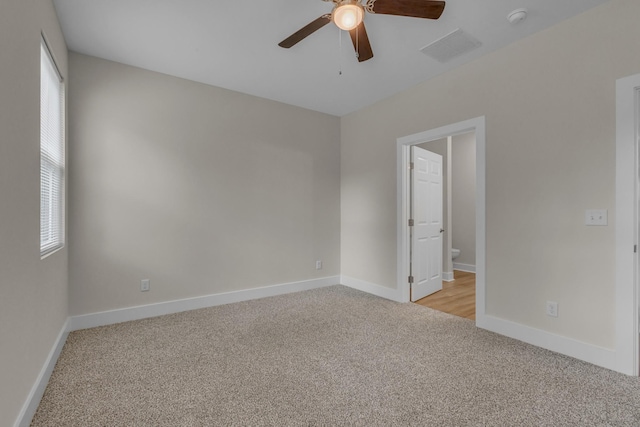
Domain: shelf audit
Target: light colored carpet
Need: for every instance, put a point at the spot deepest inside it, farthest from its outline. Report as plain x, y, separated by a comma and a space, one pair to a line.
330, 356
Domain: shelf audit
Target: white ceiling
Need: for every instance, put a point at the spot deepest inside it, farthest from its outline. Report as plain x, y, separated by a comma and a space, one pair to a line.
234, 44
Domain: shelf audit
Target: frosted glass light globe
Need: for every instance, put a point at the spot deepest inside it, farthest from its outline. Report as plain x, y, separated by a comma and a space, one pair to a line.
348, 16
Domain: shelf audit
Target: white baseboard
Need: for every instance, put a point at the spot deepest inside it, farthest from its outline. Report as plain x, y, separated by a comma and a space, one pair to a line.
35, 395
464, 267
110, 317
447, 276
596, 355
371, 288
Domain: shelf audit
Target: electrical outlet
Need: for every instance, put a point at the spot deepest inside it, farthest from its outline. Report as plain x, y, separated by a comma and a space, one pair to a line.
552, 308
145, 285
319, 265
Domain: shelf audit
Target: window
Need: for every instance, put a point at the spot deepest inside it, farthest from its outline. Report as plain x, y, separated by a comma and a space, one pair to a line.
51, 154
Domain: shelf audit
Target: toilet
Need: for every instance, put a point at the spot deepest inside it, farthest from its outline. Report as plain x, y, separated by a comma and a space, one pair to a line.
455, 253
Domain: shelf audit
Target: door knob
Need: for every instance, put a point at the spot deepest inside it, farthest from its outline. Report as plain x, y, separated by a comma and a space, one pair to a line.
442, 230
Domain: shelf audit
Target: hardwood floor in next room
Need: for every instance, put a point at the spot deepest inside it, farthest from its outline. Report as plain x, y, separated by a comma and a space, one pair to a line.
457, 297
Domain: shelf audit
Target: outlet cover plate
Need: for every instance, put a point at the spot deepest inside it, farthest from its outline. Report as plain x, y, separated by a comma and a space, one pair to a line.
596, 217
552, 308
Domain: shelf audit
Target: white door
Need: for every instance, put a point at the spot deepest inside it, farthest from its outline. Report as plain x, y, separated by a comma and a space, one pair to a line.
426, 232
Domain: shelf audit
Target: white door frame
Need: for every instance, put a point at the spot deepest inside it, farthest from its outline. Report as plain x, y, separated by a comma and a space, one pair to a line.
476, 125
627, 217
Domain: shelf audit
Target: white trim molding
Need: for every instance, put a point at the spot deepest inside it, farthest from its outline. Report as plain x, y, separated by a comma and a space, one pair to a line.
560, 344
110, 317
37, 391
447, 276
371, 288
627, 217
464, 267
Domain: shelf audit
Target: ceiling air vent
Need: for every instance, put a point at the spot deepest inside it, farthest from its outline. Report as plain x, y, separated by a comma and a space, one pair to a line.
453, 44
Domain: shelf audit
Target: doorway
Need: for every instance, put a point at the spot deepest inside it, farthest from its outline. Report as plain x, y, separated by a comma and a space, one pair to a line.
456, 293
458, 200
477, 126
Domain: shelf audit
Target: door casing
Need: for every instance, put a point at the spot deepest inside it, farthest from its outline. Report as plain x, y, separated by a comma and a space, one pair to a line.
627, 223
403, 150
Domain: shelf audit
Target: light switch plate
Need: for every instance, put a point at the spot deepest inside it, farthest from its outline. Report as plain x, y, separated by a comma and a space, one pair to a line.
595, 217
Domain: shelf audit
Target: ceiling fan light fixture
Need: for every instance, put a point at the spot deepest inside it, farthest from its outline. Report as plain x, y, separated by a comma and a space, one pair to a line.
347, 14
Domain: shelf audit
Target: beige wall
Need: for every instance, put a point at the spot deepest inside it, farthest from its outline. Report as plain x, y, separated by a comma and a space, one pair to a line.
463, 197
200, 189
549, 102
33, 292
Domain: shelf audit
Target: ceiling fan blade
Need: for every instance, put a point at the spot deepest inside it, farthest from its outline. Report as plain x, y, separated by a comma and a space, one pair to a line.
305, 31
361, 43
417, 8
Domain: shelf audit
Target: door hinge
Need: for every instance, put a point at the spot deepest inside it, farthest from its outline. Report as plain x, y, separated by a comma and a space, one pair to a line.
635, 249
411, 165
410, 223
410, 279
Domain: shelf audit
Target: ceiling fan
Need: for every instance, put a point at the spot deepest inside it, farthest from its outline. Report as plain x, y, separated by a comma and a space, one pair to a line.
348, 15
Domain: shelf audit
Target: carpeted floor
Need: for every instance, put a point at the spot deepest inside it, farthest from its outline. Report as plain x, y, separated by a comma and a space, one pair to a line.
330, 356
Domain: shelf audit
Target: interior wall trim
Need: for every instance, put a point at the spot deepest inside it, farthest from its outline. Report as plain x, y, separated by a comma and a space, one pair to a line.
464, 267
37, 391
626, 223
371, 288
596, 355
110, 317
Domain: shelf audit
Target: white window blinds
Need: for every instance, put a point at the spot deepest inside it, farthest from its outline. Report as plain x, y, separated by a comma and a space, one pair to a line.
51, 155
